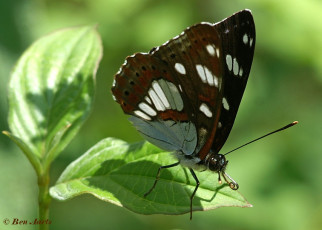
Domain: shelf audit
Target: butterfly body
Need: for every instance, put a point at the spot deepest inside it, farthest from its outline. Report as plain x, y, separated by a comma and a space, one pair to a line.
183, 96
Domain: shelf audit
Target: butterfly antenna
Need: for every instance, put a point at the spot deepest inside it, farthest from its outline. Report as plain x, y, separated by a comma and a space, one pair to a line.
278, 130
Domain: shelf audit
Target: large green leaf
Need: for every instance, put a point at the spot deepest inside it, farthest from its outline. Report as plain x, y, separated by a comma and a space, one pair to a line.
122, 173
52, 88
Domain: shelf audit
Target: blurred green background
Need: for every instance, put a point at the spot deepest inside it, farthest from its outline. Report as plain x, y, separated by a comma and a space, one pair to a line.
281, 175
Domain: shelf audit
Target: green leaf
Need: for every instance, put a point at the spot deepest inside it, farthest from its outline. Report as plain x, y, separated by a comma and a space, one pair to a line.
52, 87
34, 160
122, 173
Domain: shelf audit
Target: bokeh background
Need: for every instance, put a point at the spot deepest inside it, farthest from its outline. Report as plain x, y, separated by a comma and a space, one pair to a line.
280, 175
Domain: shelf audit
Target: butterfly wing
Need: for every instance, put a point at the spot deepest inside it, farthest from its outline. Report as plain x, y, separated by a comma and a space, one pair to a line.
238, 41
146, 89
172, 93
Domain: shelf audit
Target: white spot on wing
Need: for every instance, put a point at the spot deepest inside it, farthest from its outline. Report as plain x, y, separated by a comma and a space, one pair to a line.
216, 81
225, 103
201, 73
160, 94
142, 115
148, 100
240, 71
205, 109
211, 50
229, 62
180, 68
147, 109
217, 52
235, 66
206, 75
219, 125
251, 42
210, 77
167, 92
245, 39
156, 101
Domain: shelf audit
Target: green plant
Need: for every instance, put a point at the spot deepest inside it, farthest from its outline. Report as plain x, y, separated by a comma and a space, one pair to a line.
51, 93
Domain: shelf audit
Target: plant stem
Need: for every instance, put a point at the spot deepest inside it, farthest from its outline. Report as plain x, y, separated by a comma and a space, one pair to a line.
44, 200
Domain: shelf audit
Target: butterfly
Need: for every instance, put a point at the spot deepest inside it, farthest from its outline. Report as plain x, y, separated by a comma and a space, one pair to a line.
183, 96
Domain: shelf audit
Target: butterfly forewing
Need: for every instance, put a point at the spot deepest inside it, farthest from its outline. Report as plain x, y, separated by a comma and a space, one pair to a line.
238, 41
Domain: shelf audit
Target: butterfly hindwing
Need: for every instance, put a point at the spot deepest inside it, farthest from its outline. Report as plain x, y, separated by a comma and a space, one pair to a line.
146, 89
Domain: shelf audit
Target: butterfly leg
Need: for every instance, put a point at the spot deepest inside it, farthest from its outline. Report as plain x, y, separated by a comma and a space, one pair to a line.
158, 176
194, 192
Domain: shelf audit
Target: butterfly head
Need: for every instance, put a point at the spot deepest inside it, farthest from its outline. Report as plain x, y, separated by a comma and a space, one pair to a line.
218, 163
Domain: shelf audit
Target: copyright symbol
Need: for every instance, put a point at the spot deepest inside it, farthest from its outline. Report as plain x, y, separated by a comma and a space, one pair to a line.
6, 221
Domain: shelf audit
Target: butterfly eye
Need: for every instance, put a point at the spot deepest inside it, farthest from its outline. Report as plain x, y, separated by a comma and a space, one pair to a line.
213, 164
